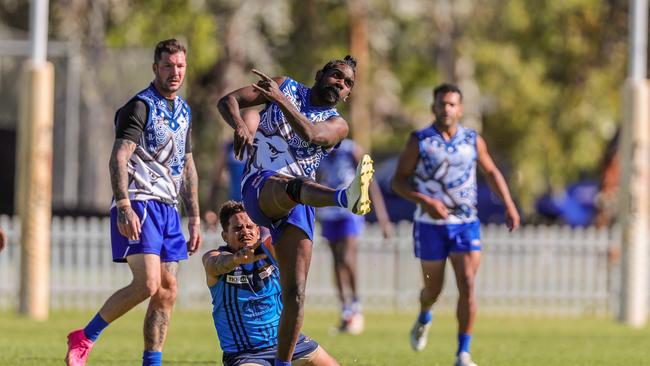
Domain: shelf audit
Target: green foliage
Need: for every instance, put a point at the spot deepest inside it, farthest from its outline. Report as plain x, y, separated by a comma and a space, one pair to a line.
144, 23
552, 72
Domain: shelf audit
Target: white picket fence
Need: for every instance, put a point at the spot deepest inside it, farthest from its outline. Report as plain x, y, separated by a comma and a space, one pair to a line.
543, 270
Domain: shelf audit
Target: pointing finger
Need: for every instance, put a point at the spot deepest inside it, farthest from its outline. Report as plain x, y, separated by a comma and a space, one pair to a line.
261, 75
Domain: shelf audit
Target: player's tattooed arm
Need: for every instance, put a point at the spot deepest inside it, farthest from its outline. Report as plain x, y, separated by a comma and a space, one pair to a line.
190, 187
217, 263
189, 193
122, 151
128, 222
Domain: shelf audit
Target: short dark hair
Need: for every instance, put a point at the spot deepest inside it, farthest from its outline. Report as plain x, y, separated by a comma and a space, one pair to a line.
170, 46
347, 60
228, 210
446, 88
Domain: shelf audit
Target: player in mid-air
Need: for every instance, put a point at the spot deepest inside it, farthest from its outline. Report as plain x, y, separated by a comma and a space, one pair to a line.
437, 170
244, 284
151, 168
341, 228
298, 127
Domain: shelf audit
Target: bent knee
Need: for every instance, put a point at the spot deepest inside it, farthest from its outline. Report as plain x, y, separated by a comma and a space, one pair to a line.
147, 288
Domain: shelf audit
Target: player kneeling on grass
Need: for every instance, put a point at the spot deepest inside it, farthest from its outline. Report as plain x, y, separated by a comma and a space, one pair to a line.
244, 283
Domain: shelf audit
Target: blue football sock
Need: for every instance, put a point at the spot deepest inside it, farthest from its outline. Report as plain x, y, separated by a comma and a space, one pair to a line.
464, 340
425, 317
151, 358
340, 198
279, 362
95, 327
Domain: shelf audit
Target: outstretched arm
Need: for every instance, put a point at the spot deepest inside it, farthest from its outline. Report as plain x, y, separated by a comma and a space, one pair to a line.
497, 183
189, 193
402, 185
218, 263
326, 133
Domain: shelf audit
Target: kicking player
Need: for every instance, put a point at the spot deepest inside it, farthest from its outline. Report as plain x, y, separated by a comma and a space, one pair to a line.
151, 166
298, 127
244, 283
341, 228
437, 170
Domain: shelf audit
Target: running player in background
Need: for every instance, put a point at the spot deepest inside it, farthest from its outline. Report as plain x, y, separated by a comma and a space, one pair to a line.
298, 127
437, 170
244, 284
341, 228
151, 168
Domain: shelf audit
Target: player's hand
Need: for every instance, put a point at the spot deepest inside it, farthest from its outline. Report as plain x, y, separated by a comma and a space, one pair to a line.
512, 218
243, 140
128, 222
247, 255
194, 228
3, 240
268, 87
435, 208
387, 229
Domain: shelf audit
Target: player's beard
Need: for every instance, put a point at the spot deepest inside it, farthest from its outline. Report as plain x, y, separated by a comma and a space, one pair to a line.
166, 87
329, 93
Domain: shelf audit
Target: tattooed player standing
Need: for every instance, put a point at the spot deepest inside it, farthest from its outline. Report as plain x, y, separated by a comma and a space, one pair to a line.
151, 166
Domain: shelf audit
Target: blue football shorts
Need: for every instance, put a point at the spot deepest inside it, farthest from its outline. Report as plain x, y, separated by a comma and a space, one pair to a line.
301, 216
435, 242
265, 356
161, 233
341, 228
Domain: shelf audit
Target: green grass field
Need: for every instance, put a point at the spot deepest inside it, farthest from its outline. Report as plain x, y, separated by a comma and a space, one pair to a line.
192, 341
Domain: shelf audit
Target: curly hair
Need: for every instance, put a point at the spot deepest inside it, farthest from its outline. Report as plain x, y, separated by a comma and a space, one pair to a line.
228, 210
347, 60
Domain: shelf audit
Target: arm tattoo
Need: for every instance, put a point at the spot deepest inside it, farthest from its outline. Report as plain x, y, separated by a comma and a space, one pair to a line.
222, 263
124, 215
190, 187
122, 151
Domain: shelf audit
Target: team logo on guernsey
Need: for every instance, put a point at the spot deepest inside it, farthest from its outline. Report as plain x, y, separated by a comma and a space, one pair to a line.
266, 271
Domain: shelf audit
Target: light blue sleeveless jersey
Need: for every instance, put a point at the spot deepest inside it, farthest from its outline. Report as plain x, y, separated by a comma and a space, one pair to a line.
156, 166
277, 147
247, 305
446, 170
337, 170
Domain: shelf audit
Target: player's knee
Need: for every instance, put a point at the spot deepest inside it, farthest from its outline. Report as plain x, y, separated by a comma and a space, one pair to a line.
466, 283
150, 287
168, 292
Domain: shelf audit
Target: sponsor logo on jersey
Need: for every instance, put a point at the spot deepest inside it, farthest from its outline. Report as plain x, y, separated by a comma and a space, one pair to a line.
236, 279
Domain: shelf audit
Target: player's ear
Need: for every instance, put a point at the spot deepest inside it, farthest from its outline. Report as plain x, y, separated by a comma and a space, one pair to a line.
319, 75
223, 235
154, 68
